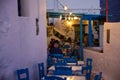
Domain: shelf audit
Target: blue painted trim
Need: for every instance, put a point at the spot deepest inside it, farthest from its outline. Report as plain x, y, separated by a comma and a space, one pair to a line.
86, 16
81, 41
90, 33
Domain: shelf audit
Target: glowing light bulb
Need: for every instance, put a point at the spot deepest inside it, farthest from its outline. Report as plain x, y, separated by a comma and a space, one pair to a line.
65, 8
68, 18
69, 23
70, 13
60, 17
75, 18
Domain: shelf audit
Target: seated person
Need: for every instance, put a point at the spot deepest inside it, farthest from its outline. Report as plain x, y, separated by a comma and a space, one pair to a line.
56, 49
68, 43
76, 51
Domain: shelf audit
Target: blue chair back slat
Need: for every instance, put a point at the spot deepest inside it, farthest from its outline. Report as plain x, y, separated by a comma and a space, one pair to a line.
60, 64
84, 69
41, 70
53, 78
89, 62
23, 74
63, 70
98, 76
55, 55
87, 70
49, 62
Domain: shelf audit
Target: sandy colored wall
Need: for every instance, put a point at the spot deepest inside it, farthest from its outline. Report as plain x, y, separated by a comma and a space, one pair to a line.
109, 61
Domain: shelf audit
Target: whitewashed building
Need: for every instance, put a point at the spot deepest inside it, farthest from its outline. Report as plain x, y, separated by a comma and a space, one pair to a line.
20, 45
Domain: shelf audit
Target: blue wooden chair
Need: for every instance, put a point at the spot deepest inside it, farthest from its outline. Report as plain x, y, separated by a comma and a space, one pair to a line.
41, 70
62, 70
23, 74
98, 76
89, 62
49, 62
53, 78
89, 65
87, 71
84, 69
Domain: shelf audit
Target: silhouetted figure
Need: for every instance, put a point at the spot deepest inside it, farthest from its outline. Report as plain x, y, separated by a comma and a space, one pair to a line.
51, 45
56, 49
85, 39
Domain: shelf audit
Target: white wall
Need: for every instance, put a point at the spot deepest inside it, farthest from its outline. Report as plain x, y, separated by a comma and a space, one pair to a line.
101, 35
109, 61
19, 45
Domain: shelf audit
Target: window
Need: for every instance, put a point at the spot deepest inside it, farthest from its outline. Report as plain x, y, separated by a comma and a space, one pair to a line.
108, 36
19, 8
37, 26
23, 8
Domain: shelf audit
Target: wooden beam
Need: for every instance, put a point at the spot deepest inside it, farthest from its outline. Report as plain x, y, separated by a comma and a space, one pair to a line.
107, 7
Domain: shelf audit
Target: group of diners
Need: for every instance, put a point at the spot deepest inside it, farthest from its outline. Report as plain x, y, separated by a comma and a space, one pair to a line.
65, 47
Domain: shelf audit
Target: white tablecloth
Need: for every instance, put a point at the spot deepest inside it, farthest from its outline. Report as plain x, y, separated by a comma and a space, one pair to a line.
74, 68
79, 63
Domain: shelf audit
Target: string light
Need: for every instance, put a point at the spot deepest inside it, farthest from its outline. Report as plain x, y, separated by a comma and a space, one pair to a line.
70, 16
60, 17
65, 8
70, 13
69, 23
75, 18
